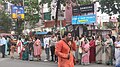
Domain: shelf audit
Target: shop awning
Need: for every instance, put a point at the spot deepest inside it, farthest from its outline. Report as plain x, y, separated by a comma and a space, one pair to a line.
41, 33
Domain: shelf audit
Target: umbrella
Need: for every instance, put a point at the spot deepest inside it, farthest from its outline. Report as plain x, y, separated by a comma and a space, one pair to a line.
5, 34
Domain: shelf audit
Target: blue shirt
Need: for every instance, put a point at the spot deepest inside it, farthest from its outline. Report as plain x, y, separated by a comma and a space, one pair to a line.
2, 41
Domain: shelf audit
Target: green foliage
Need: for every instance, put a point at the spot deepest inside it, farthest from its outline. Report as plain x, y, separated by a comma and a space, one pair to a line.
84, 2
32, 11
0, 1
110, 7
5, 21
110, 25
14, 1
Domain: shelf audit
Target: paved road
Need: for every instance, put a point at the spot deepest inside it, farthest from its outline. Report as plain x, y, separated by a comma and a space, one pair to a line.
7, 62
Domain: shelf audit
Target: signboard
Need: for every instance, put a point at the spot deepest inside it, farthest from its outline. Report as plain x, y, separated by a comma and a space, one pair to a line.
77, 10
87, 8
88, 19
17, 12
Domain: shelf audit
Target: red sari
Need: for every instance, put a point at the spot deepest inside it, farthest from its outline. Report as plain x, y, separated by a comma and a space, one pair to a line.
92, 51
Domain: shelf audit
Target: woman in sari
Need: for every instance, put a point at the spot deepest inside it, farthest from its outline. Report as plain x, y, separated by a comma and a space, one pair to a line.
25, 50
31, 51
108, 49
117, 52
86, 52
19, 47
99, 49
37, 49
92, 50
78, 54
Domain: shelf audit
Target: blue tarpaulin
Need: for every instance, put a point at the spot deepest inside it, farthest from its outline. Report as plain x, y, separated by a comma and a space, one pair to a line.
41, 33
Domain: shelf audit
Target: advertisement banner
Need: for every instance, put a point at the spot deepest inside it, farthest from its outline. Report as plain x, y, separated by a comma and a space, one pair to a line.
17, 12
88, 19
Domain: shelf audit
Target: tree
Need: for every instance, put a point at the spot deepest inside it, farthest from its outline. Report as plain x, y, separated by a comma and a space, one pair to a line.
31, 9
110, 7
83, 2
5, 19
110, 25
32, 12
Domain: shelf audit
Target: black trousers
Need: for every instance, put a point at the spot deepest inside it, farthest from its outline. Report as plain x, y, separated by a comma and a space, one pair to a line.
3, 50
9, 49
52, 48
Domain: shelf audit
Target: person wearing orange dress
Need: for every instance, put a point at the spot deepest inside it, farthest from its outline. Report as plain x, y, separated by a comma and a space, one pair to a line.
64, 50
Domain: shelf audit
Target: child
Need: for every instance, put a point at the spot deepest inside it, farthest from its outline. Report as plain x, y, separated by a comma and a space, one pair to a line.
12, 51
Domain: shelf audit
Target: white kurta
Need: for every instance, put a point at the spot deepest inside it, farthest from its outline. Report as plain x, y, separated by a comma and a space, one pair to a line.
117, 53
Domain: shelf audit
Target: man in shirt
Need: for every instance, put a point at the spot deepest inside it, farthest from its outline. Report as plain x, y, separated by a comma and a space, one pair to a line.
53, 41
2, 44
46, 47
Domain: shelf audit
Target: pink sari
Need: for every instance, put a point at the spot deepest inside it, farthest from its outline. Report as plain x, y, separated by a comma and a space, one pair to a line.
37, 48
86, 53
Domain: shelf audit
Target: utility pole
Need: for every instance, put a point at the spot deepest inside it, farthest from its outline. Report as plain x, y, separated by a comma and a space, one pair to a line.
19, 18
56, 17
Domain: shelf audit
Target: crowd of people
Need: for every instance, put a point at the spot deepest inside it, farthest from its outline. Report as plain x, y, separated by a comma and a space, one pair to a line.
28, 47
85, 50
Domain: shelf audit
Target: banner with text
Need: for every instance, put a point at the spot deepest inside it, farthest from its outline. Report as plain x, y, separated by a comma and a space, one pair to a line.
88, 19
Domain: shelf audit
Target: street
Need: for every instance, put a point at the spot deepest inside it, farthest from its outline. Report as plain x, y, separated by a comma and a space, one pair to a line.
7, 62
